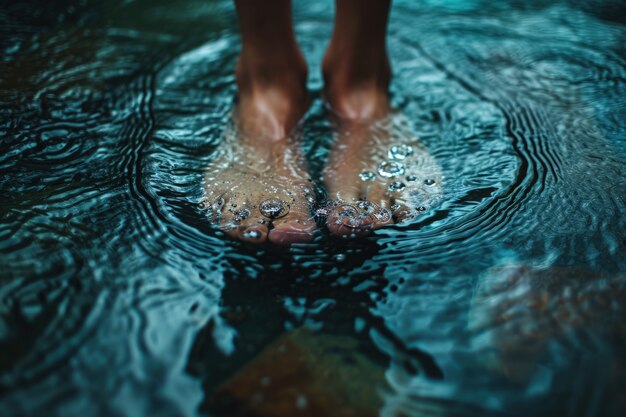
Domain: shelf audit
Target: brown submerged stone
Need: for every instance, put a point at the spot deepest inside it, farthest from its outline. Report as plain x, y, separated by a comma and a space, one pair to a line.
304, 373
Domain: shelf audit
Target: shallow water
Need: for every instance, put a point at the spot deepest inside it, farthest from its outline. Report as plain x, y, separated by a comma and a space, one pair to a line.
118, 298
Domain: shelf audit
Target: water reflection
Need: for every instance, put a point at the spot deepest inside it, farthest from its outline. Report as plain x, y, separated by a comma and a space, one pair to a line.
118, 298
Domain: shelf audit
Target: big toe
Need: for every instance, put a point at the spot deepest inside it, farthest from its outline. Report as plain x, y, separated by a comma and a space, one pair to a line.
295, 227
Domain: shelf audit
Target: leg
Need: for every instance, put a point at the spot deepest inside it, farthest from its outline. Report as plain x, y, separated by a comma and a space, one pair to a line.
271, 72
260, 160
356, 66
372, 185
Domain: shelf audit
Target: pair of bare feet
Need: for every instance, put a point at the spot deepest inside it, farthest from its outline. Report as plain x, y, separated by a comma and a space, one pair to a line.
257, 188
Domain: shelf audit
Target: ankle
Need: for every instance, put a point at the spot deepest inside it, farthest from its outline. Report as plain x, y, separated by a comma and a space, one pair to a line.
357, 91
256, 73
272, 96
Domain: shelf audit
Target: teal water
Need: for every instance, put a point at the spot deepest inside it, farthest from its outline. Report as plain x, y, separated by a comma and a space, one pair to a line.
117, 297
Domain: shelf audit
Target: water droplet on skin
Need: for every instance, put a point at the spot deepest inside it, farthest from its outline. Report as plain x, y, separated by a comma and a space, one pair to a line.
420, 208
203, 205
389, 169
366, 206
396, 186
252, 234
321, 212
219, 203
367, 176
411, 177
429, 181
400, 151
273, 209
349, 216
383, 215
242, 214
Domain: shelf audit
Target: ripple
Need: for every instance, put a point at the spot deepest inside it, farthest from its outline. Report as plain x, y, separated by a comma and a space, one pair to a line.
114, 285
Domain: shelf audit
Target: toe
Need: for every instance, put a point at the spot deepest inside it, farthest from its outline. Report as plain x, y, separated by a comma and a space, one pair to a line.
377, 194
295, 227
241, 224
346, 219
402, 212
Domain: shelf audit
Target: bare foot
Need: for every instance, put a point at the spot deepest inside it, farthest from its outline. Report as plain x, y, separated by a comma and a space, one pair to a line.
257, 187
378, 173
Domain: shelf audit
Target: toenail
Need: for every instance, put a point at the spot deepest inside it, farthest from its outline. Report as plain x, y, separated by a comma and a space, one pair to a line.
252, 234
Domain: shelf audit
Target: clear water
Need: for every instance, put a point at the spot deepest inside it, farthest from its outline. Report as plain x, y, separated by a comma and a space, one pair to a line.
118, 299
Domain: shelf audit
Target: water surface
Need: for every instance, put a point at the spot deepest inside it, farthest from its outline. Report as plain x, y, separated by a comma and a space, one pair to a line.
117, 298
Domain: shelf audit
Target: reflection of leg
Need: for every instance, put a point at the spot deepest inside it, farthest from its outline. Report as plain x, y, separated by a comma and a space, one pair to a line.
357, 75
304, 373
261, 161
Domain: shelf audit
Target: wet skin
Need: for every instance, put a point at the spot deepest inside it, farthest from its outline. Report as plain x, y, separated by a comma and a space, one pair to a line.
378, 174
369, 184
258, 189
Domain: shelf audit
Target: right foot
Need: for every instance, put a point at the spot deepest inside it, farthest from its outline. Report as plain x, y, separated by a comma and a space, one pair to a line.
378, 173
257, 187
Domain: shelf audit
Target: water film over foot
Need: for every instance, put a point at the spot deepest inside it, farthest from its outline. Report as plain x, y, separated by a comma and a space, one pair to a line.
259, 192
378, 174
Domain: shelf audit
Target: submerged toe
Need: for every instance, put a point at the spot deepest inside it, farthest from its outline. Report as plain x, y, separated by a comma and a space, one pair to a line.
293, 228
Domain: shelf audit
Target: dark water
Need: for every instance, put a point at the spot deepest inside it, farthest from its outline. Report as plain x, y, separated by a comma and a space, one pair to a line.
118, 299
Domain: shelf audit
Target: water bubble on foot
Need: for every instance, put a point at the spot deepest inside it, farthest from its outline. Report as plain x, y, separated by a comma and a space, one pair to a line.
366, 206
347, 211
241, 214
218, 204
411, 177
204, 204
383, 215
322, 212
396, 186
400, 151
367, 176
273, 209
429, 181
252, 234
389, 169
